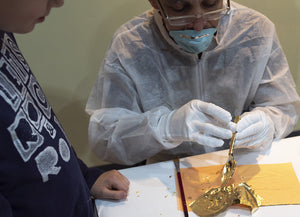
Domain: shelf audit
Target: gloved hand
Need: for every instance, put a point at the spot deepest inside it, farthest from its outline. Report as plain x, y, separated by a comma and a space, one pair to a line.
254, 130
201, 122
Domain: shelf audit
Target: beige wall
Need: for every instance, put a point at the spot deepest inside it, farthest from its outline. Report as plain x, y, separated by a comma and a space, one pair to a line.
66, 52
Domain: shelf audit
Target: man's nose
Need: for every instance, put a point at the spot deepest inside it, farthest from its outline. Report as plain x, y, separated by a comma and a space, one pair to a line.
197, 24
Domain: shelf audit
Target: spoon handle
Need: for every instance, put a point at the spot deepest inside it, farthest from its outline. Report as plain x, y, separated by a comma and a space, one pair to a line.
236, 119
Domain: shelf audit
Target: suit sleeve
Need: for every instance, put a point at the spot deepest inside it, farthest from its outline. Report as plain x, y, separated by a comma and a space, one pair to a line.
5, 208
90, 174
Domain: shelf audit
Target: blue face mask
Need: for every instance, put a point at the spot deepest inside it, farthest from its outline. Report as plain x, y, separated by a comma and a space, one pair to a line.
193, 41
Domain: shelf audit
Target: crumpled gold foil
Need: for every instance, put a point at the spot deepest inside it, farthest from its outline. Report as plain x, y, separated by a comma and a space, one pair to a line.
217, 200
246, 196
214, 201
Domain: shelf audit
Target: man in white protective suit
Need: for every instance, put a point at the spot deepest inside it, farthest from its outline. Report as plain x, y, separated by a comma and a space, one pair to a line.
174, 78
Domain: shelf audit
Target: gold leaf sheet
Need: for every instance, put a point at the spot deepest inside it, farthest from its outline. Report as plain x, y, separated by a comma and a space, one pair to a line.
277, 184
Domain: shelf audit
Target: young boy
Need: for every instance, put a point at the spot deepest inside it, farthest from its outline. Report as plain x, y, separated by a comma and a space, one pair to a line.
40, 174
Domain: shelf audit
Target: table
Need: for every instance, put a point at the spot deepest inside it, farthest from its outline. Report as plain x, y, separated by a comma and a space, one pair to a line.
153, 192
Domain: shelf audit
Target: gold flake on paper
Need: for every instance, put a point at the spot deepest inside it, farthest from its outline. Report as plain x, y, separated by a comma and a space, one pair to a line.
214, 201
217, 200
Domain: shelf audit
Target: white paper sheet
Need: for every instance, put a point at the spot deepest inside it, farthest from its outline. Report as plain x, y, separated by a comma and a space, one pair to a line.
152, 190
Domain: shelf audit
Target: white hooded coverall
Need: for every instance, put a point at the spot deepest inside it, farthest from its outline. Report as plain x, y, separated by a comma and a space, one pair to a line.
146, 75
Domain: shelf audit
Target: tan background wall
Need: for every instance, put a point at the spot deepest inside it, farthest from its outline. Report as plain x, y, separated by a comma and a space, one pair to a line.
65, 53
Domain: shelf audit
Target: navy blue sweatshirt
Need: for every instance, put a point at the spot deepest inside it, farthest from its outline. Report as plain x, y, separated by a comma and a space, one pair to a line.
40, 174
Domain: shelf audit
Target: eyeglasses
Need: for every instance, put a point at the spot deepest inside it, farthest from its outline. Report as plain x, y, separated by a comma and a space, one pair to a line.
185, 20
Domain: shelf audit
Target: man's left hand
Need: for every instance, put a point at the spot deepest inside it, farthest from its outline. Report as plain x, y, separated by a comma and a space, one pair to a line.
254, 130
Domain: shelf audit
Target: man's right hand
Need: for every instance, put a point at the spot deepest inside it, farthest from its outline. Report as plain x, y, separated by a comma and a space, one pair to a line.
201, 122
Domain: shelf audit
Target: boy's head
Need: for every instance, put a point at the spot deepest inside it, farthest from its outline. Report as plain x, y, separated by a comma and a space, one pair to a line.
20, 16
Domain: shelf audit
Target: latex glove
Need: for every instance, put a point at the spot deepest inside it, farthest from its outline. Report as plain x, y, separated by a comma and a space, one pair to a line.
110, 185
254, 130
201, 122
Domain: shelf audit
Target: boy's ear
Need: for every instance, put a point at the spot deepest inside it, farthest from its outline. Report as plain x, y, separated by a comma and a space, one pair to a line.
154, 4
